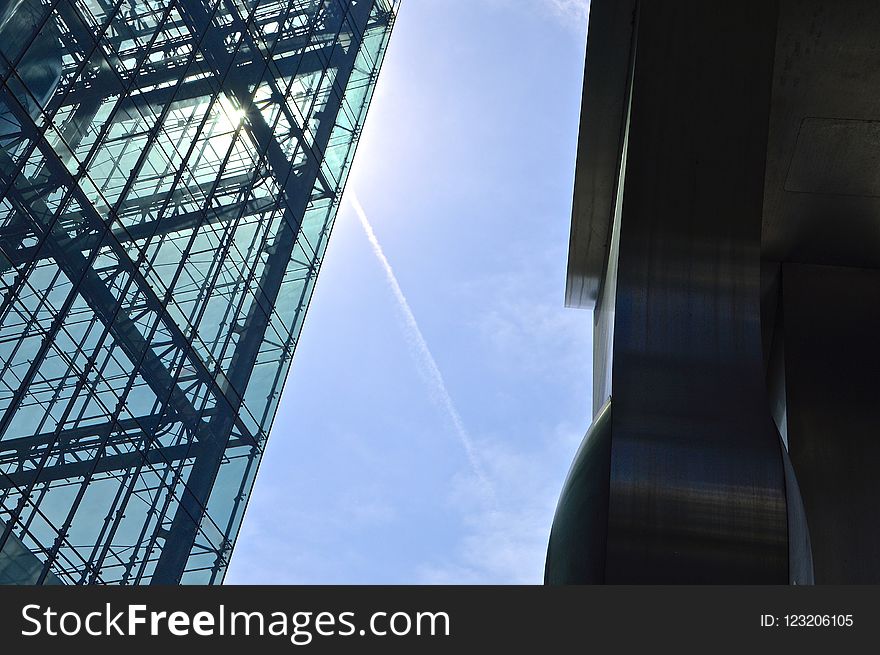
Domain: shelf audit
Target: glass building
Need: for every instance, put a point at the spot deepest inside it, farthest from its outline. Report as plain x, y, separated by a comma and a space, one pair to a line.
169, 175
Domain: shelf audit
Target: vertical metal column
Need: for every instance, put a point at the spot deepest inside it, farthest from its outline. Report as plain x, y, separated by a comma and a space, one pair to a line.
697, 490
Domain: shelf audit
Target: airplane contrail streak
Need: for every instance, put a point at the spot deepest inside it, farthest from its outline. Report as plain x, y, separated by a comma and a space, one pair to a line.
426, 358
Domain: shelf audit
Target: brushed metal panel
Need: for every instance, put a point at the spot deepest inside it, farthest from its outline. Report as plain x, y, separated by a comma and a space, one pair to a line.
576, 553
697, 478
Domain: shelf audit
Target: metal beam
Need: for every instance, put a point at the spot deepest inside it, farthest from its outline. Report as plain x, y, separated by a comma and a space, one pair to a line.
163, 456
107, 82
106, 306
147, 229
94, 290
111, 434
297, 190
309, 61
22, 449
697, 485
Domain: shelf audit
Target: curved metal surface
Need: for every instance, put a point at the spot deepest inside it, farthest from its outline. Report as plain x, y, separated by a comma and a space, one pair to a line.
753, 142
576, 553
800, 548
820, 234
832, 354
697, 487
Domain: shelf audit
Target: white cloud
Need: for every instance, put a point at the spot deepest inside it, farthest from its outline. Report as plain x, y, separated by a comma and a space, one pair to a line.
536, 343
571, 12
506, 543
305, 540
523, 323
536, 337
574, 10
505, 531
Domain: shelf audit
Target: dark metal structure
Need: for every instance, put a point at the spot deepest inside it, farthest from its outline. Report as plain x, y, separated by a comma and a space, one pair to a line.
169, 175
725, 231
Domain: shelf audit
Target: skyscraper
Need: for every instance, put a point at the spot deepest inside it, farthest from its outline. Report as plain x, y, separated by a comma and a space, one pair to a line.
169, 175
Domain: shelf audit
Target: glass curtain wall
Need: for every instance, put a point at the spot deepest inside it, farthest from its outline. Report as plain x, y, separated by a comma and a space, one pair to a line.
169, 175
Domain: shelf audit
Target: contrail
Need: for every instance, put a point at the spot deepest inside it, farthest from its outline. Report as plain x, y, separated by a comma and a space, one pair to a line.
426, 359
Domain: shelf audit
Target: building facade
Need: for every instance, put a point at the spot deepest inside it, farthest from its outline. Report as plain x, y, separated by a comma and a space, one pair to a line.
725, 235
169, 175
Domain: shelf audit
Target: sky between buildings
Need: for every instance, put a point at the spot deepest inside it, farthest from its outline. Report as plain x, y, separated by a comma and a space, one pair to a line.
465, 171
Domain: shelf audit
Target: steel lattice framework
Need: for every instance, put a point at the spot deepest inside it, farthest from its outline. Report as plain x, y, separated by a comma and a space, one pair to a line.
169, 175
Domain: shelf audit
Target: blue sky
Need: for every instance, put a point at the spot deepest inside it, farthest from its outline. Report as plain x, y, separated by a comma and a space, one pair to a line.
465, 172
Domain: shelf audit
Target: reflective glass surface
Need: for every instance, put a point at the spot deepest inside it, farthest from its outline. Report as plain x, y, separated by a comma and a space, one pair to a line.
169, 175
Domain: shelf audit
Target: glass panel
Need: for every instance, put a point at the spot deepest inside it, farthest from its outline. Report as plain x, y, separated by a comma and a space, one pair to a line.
169, 175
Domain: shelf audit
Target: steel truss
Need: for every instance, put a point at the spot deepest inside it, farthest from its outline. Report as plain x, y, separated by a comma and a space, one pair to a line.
152, 399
